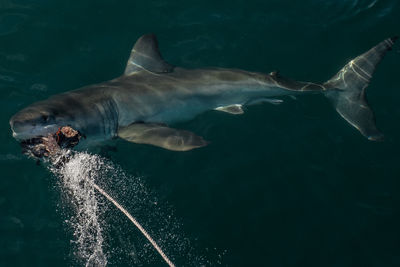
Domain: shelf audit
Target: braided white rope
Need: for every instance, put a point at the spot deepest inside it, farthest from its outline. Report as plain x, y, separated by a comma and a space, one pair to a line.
136, 223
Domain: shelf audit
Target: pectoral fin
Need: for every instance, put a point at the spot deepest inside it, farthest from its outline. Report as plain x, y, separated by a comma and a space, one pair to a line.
235, 109
161, 136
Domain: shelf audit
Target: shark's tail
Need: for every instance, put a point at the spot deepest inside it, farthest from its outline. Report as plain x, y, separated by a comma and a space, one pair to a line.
349, 84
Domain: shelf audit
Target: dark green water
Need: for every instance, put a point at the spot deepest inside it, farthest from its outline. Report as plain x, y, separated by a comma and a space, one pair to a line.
287, 185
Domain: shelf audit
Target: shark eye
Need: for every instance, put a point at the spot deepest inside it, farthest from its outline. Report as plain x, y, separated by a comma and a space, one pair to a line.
45, 118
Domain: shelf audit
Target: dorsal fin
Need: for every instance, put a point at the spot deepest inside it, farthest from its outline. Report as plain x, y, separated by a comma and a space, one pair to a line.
146, 56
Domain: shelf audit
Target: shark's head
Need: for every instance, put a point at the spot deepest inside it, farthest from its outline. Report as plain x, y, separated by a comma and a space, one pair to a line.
89, 111
35, 121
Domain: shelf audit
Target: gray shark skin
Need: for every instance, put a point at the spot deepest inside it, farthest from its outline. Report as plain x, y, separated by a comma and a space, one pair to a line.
152, 94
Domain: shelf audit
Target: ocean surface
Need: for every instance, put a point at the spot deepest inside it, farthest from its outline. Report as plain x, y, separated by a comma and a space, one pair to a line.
281, 185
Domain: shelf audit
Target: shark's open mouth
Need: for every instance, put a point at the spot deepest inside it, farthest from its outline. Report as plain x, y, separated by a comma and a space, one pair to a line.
46, 146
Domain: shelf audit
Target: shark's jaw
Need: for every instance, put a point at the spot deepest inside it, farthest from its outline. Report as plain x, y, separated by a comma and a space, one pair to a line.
51, 144
31, 132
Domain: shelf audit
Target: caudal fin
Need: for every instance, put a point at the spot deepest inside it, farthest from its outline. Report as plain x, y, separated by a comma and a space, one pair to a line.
351, 81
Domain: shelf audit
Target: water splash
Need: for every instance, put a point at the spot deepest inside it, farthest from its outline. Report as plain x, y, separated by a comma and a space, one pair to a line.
93, 221
77, 176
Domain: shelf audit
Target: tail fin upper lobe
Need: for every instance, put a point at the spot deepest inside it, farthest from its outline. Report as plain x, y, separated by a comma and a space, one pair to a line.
351, 81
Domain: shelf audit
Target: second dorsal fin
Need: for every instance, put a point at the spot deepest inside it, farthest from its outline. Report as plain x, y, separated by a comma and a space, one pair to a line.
146, 56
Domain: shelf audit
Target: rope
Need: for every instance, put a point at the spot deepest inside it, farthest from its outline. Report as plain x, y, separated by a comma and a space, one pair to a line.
136, 223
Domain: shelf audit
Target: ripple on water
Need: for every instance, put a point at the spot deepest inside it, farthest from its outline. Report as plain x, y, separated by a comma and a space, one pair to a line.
10, 157
9, 23
338, 11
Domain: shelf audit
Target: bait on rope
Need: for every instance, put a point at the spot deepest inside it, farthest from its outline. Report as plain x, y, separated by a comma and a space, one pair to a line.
50, 148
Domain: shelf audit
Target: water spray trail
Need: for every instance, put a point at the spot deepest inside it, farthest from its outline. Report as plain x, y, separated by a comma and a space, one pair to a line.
78, 175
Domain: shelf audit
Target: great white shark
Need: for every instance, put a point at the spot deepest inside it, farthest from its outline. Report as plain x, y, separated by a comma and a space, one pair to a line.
139, 105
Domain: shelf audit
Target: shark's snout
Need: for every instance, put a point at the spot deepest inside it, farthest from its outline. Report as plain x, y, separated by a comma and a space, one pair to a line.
16, 125
19, 127
27, 124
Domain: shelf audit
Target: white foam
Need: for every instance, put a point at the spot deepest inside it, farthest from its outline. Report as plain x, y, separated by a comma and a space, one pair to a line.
76, 178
